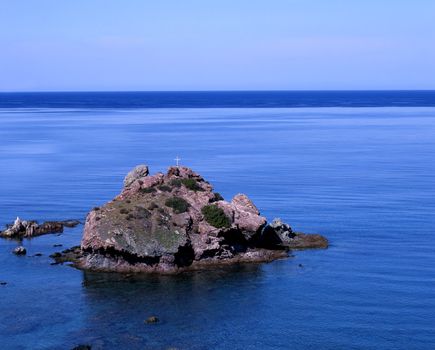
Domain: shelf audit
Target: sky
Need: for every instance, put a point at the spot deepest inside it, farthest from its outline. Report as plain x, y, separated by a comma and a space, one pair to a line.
121, 45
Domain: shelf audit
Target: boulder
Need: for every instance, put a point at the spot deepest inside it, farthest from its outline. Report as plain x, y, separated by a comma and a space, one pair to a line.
279, 234
282, 230
137, 173
20, 250
307, 241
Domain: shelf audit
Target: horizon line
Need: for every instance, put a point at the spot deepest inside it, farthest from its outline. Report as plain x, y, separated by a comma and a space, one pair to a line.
206, 91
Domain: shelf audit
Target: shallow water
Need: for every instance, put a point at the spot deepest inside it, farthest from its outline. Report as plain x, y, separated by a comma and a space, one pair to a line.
364, 177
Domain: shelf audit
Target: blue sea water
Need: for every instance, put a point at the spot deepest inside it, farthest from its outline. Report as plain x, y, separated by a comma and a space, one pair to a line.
363, 176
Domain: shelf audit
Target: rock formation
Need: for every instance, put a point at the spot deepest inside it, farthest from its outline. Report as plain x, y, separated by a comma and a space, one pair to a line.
22, 228
173, 222
20, 250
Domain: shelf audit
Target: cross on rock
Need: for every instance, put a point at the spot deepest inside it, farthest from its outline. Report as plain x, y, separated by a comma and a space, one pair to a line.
177, 160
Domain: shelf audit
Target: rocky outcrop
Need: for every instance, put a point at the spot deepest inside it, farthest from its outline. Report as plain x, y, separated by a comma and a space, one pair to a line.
22, 228
20, 250
172, 222
139, 172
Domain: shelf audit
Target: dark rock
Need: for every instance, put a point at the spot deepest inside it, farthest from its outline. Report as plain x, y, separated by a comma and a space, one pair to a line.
307, 241
3, 283
37, 254
68, 255
152, 319
57, 245
20, 250
70, 223
82, 347
279, 234
283, 230
275, 234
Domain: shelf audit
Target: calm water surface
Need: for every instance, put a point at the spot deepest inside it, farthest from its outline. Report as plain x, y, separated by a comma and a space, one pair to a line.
364, 177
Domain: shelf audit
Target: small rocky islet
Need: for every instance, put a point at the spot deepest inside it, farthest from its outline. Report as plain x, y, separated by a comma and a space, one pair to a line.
173, 222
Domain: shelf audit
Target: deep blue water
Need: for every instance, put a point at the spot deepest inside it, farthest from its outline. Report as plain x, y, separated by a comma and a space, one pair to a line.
218, 99
364, 177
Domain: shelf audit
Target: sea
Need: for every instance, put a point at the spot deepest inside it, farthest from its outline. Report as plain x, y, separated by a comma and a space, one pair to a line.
355, 166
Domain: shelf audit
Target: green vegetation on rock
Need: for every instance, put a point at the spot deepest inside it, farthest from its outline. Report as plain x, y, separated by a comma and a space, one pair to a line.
148, 190
165, 188
191, 184
215, 216
178, 204
176, 182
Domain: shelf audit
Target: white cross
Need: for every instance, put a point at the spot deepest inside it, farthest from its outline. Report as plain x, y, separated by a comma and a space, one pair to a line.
177, 159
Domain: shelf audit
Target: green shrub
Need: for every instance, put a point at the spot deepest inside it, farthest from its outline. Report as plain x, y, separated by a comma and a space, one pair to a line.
123, 211
179, 205
148, 190
215, 216
176, 182
165, 188
191, 184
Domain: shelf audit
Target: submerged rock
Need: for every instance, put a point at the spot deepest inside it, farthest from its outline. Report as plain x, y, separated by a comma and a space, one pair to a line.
172, 222
19, 250
152, 319
23, 228
82, 347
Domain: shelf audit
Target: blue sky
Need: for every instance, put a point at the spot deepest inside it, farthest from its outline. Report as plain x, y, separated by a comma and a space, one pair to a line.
63, 45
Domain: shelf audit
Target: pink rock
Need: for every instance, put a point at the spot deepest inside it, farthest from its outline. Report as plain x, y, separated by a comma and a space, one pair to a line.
157, 225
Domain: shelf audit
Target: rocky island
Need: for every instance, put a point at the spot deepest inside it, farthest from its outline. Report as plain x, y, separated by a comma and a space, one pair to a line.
173, 222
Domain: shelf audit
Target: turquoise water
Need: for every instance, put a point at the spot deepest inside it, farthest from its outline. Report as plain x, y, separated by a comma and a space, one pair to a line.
364, 177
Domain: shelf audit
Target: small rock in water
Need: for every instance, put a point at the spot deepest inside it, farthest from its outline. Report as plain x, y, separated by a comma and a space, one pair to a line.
82, 347
3, 283
300, 265
37, 254
31, 228
20, 250
57, 245
70, 223
152, 319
